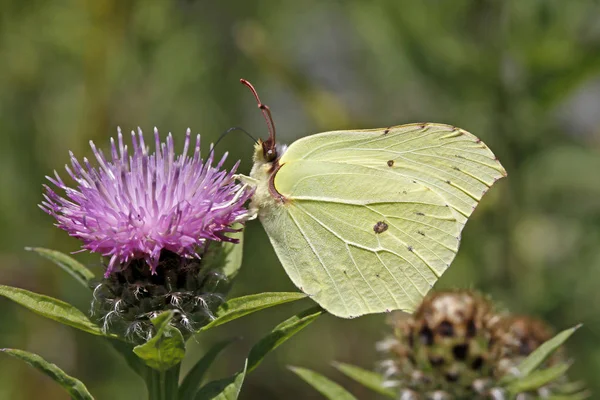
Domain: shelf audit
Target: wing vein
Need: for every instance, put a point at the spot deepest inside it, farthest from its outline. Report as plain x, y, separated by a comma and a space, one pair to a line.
456, 186
458, 161
406, 244
381, 248
367, 282
290, 256
337, 289
423, 181
377, 138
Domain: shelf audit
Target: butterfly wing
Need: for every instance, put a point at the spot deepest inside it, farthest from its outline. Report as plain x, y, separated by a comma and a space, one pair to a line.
371, 219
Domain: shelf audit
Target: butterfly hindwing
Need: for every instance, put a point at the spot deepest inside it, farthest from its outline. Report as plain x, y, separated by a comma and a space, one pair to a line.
371, 219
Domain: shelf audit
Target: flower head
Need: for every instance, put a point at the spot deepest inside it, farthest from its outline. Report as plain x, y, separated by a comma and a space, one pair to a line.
459, 345
134, 205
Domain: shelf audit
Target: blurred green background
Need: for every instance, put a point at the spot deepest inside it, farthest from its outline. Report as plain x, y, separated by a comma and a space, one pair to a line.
522, 75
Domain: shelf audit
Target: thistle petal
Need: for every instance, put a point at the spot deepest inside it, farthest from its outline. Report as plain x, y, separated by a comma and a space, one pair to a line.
133, 206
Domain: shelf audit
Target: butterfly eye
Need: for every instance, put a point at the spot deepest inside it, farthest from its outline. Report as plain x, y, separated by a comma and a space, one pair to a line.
271, 155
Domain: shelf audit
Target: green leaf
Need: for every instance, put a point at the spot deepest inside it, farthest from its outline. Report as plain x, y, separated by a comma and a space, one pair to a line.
537, 379
280, 334
578, 396
570, 388
274, 339
67, 263
370, 379
223, 389
240, 306
539, 355
325, 386
52, 308
194, 377
74, 387
166, 348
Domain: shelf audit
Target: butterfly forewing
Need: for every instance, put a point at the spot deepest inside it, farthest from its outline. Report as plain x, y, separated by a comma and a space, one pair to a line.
450, 161
371, 219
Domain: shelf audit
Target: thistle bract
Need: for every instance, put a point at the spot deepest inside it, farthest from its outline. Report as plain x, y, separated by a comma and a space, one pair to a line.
127, 300
133, 206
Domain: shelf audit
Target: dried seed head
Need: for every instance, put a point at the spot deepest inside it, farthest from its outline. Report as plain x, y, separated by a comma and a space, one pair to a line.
515, 339
457, 345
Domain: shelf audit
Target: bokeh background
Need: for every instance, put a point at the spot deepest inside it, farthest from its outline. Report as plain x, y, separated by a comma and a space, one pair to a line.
522, 75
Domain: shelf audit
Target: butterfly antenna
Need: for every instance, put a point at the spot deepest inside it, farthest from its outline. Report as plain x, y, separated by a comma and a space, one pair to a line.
235, 128
222, 135
266, 111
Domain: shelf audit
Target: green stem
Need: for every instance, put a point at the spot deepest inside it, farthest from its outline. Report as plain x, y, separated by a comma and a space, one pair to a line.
163, 385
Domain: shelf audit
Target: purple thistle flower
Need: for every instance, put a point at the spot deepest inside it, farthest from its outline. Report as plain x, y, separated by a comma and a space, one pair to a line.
133, 206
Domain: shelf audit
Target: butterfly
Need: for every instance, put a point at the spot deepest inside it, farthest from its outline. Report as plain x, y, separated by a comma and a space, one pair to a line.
366, 221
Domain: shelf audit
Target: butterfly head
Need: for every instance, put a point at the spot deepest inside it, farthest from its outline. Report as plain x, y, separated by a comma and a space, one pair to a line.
266, 155
266, 151
269, 150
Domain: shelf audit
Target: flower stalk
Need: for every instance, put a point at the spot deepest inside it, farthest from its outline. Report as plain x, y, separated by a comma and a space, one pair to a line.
163, 385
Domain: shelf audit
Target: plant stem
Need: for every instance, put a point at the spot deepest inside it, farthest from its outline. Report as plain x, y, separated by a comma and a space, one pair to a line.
162, 385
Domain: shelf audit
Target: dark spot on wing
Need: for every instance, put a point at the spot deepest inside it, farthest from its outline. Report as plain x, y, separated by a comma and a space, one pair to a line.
410, 248
390, 163
404, 192
448, 182
386, 131
414, 181
456, 168
380, 227
421, 233
377, 275
420, 213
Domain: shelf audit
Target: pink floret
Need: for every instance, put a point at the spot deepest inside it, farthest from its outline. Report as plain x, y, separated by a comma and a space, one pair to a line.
133, 206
